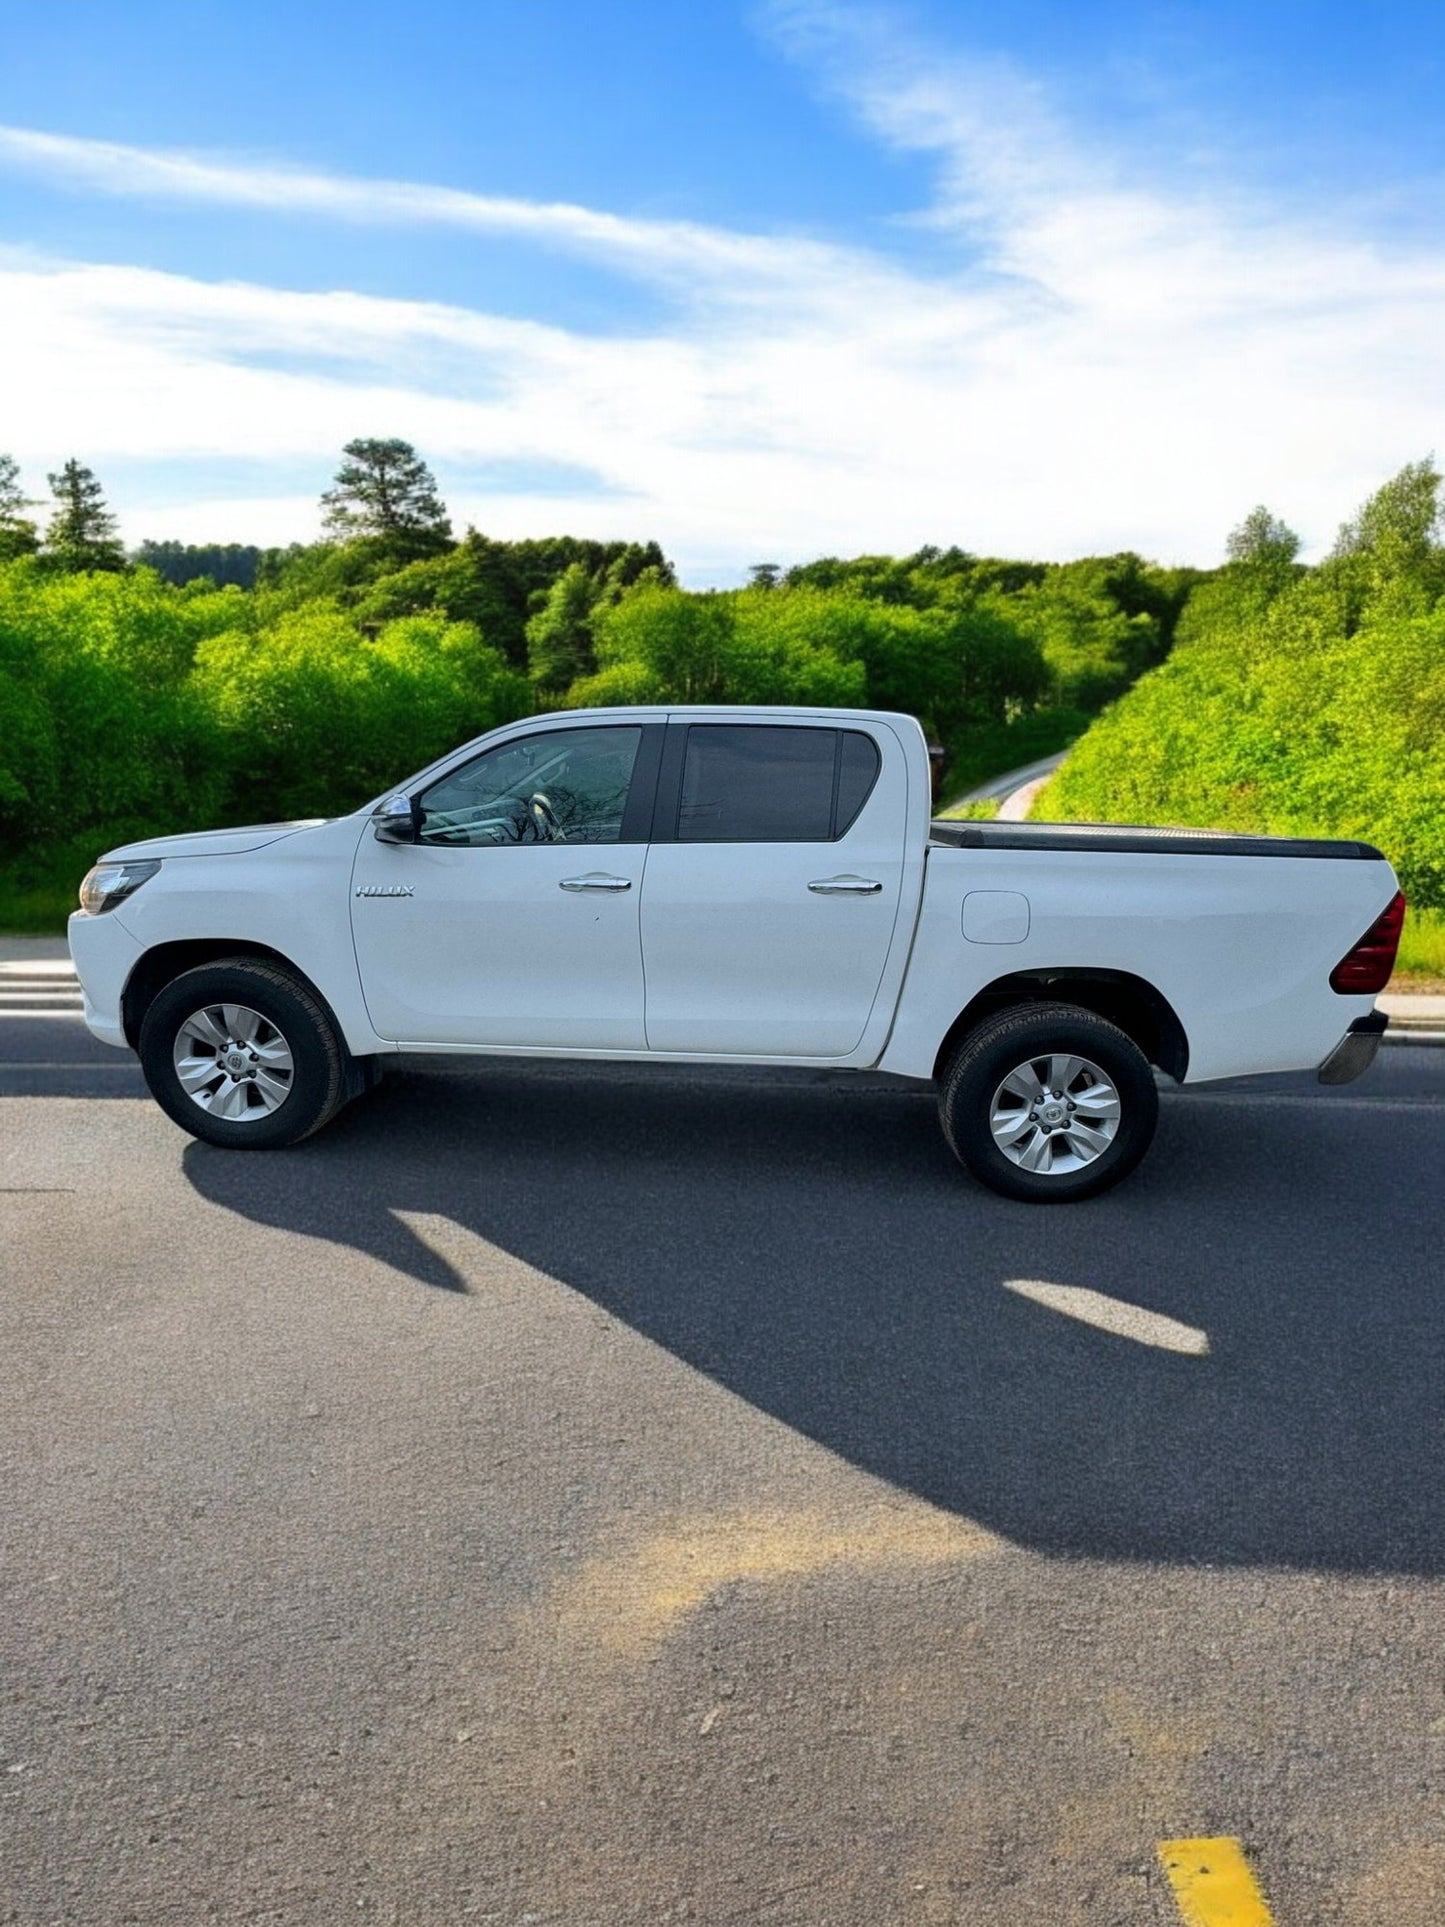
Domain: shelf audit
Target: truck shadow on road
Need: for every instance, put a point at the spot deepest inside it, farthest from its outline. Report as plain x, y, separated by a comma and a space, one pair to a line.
813, 1248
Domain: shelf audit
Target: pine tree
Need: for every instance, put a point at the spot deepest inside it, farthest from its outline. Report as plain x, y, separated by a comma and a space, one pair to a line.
386, 492
17, 532
82, 532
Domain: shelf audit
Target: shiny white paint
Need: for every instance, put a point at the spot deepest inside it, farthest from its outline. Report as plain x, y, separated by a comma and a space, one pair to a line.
105, 954
1240, 947
721, 951
491, 950
744, 959
289, 893
252, 836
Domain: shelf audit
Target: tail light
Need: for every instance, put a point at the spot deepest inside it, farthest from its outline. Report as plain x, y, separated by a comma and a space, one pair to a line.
1366, 968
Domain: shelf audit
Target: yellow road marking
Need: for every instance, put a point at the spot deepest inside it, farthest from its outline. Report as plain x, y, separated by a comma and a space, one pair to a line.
1213, 1884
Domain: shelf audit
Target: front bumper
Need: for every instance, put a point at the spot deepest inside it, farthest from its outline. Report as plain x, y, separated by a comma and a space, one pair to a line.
1355, 1052
105, 953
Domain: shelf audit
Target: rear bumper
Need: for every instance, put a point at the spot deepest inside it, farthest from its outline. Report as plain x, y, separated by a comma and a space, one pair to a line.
1356, 1050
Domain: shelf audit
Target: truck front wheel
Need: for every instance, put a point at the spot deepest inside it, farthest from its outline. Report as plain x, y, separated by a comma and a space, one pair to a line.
240, 1053
1048, 1102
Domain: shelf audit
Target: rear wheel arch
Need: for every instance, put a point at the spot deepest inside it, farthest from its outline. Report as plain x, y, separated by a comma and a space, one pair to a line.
1143, 1013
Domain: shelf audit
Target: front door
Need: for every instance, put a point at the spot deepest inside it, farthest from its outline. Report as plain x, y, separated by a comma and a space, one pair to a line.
513, 921
772, 889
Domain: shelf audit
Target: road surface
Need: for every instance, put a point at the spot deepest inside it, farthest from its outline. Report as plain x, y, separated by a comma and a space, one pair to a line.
645, 1495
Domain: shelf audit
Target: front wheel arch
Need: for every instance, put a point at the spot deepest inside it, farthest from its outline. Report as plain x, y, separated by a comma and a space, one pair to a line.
167, 961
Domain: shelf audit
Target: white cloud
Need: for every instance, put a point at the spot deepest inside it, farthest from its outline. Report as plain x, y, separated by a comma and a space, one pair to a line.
671, 253
1091, 362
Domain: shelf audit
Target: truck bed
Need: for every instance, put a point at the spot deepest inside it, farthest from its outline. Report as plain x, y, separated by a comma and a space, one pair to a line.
1124, 839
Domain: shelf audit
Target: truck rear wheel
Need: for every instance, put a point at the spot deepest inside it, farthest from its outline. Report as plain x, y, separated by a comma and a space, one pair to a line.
241, 1054
1048, 1102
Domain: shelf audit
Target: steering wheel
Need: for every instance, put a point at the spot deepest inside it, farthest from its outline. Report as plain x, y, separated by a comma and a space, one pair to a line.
544, 818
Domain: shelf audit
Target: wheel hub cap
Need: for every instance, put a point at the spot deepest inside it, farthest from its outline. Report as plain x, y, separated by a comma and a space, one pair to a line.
234, 1063
1055, 1114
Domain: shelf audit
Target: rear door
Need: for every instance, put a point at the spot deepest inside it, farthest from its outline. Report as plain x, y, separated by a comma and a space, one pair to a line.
772, 887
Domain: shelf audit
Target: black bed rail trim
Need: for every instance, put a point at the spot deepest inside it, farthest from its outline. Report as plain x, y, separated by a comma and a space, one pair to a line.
1125, 839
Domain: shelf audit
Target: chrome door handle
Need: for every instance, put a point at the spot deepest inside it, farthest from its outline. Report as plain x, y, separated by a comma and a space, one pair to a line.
596, 881
846, 887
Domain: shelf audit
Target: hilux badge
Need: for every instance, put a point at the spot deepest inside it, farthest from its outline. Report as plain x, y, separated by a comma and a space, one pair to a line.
384, 890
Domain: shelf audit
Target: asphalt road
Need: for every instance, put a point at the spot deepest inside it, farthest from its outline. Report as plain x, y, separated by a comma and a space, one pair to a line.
641, 1495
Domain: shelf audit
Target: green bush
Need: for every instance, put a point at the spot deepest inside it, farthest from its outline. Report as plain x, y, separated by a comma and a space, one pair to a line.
1422, 944
1319, 710
311, 718
663, 645
96, 723
129, 706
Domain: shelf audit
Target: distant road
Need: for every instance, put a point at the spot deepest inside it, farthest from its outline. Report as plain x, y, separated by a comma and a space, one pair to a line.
1011, 780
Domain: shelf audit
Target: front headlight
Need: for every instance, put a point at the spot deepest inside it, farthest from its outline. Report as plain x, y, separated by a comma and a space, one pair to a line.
111, 883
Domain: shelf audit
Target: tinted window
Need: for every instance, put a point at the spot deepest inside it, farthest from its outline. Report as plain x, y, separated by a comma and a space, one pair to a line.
558, 786
858, 766
752, 783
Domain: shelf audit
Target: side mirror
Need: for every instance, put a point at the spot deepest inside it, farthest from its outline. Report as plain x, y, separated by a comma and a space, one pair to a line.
397, 820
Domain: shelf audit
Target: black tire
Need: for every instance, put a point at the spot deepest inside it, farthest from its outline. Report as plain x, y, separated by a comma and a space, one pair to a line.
1023, 1036
318, 1076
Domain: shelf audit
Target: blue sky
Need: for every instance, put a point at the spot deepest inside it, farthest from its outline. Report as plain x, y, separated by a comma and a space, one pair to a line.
763, 281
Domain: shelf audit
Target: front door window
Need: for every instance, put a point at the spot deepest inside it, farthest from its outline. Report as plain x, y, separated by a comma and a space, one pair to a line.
558, 786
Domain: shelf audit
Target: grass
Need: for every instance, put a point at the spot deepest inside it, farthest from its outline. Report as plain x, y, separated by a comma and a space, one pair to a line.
1422, 952
981, 812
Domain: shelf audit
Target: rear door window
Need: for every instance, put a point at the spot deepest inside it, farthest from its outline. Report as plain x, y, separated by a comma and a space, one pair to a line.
759, 783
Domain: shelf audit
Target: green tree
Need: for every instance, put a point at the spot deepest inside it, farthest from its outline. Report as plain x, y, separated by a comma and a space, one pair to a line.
17, 532
1318, 711
1402, 518
559, 635
100, 741
1387, 560
1093, 648
223, 563
82, 532
500, 586
1262, 565
1263, 541
384, 492
660, 644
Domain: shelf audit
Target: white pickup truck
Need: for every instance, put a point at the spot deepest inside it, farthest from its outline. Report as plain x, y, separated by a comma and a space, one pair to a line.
748, 886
